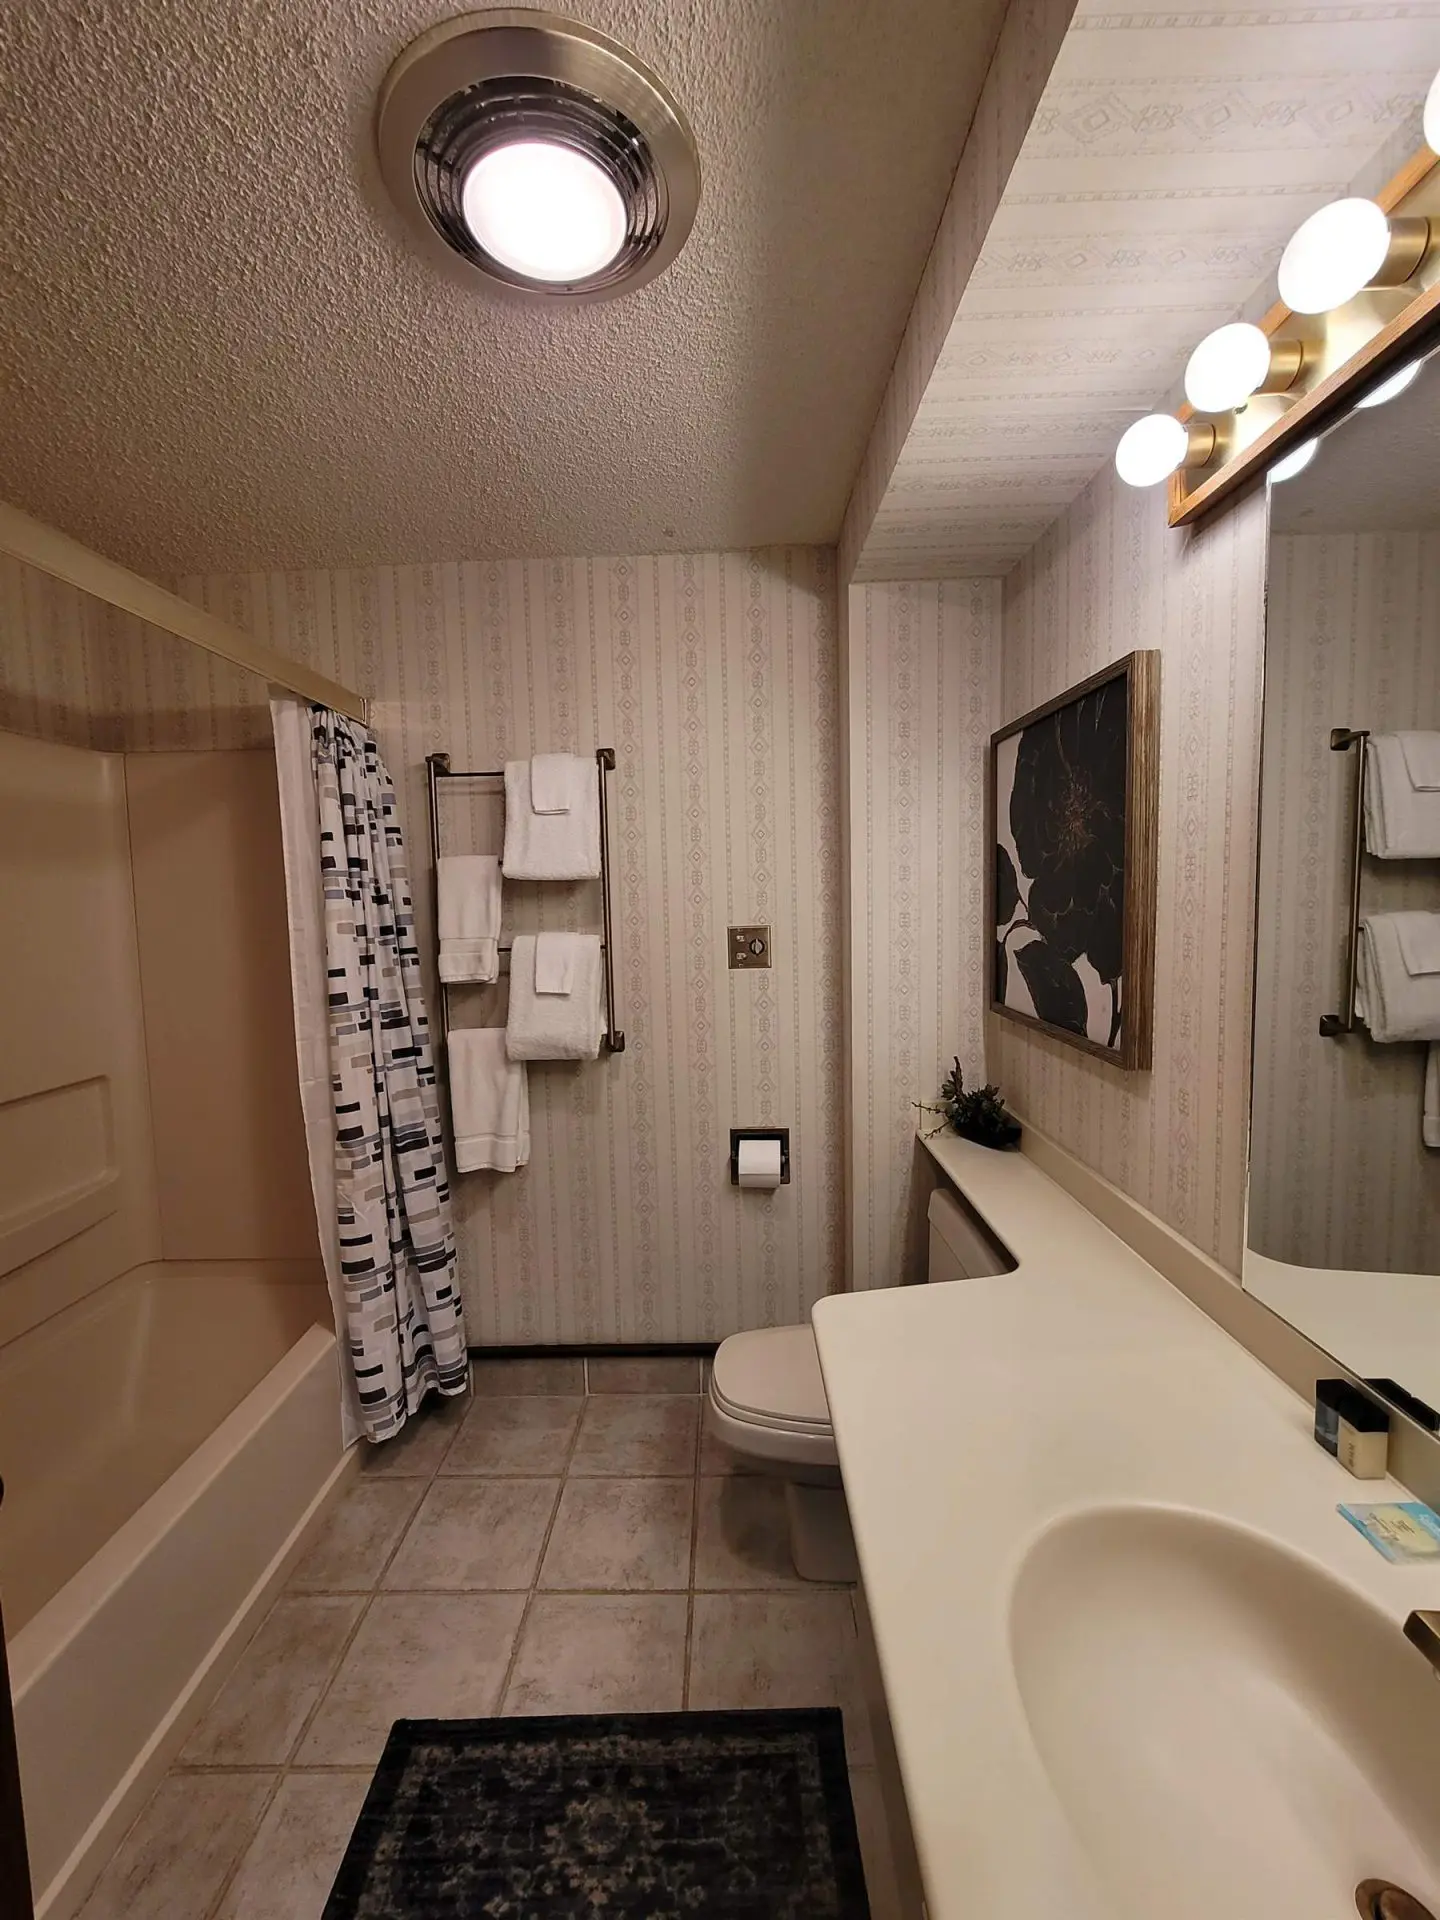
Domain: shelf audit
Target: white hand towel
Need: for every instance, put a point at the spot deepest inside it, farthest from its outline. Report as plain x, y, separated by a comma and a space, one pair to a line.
1402, 822
554, 1026
1422, 760
469, 901
1419, 937
553, 782
1430, 1119
555, 962
552, 846
1396, 1005
489, 1101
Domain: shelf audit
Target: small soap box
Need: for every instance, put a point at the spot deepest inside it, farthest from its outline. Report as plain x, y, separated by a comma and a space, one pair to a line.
1349, 1424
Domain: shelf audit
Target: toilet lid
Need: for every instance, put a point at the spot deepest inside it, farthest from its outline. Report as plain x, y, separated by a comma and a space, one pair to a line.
772, 1377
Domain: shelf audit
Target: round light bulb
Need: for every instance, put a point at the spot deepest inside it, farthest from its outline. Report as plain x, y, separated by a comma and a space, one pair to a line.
1227, 367
544, 210
1332, 255
1389, 389
1151, 450
1432, 116
1293, 463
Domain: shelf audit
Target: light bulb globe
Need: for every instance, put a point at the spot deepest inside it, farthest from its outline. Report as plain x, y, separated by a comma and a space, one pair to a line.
1333, 254
1151, 450
1227, 367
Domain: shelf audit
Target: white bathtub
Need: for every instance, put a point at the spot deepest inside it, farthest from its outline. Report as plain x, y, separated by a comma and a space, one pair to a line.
166, 1445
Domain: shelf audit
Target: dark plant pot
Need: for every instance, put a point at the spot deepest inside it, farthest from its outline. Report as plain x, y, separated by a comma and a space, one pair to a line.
1008, 1136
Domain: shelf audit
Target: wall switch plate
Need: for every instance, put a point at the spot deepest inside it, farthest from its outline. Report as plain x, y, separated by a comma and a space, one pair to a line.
749, 947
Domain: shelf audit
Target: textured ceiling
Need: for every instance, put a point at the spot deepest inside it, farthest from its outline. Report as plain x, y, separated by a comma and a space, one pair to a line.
1376, 471
1173, 153
219, 350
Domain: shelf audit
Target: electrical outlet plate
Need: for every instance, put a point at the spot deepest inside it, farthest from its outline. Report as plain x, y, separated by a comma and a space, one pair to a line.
749, 947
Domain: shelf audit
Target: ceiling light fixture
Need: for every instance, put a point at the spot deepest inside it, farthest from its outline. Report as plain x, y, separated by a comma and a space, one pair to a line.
539, 153
1393, 387
1345, 247
1293, 463
1159, 445
1234, 362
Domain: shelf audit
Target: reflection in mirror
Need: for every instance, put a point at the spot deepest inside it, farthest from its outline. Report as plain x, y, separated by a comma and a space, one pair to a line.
1343, 1235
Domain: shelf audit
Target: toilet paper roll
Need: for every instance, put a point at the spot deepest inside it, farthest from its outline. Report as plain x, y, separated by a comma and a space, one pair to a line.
759, 1163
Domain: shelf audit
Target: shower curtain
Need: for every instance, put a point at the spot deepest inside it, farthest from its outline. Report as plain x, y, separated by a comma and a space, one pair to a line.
367, 1073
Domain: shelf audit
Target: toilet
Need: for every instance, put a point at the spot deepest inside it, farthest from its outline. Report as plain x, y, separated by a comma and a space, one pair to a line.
766, 1403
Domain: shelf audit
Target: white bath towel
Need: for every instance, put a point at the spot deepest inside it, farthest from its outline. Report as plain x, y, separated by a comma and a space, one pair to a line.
469, 903
1422, 760
555, 961
489, 1101
554, 780
552, 846
1419, 937
1396, 1005
554, 1026
1402, 821
1430, 1117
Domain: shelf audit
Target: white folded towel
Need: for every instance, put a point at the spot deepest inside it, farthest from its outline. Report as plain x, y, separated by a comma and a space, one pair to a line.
489, 1101
555, 962
1395, 1004
554, 1026
1402, 821
469, 912
1422, 760
1419, 937
553, 781
1430, 1117
552, 846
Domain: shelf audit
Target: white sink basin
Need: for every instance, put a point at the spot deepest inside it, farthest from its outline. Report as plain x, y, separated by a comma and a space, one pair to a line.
1228, 1729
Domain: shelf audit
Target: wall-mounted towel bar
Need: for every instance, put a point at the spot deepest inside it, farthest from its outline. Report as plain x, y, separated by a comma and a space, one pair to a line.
438, 769
1341, 741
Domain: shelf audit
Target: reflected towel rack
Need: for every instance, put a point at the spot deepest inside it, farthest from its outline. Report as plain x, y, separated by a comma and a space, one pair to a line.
1341, 740
437, 769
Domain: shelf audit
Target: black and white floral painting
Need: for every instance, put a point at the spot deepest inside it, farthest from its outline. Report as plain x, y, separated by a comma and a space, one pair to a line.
1060, 839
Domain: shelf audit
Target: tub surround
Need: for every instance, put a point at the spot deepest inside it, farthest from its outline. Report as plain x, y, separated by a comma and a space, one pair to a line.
1084, 1382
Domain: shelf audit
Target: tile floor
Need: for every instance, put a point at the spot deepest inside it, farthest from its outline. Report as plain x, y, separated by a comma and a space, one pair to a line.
565, 1541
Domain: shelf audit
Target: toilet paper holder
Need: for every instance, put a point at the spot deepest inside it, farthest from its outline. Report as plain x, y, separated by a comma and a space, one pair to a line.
737, 1134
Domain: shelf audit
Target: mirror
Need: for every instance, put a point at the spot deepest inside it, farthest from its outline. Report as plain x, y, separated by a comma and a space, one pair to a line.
1343, 1228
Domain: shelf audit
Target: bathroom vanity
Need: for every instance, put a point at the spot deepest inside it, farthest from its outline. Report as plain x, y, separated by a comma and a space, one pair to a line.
1135, 1660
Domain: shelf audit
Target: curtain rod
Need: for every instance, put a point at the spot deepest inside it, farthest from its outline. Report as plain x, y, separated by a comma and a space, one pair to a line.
65, 559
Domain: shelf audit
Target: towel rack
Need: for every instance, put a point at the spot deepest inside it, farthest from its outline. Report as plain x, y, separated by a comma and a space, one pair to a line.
437, 769
1341, 741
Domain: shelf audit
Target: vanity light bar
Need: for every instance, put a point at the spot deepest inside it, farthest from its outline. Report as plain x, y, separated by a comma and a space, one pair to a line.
1344, 249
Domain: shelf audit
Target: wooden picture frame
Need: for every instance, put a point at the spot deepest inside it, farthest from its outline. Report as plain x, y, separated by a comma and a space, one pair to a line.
1071, 815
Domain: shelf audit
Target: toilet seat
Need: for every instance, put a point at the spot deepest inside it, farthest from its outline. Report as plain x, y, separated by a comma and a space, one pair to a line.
767, 1399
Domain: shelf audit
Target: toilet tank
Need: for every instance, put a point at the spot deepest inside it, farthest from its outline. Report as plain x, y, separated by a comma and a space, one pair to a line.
960, 1248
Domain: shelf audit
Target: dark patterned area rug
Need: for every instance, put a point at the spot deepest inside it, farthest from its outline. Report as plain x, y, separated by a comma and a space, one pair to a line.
699, 1816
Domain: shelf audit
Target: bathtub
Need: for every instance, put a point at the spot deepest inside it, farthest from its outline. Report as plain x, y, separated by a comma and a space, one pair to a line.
166, 1445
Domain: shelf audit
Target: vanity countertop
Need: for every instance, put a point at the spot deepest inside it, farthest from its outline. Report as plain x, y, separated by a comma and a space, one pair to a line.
974, 1416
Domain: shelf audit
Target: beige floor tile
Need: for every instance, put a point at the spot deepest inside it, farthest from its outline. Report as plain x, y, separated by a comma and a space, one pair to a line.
359, 1537
637, 1433
527, 1376
418, 1656
742, 1535
422, 1443
526, 1434
601, 1653
291, 1865
485, 1534
627, 1535
881, 1882
641, 1373
780, 1650
173, 1862
717, 1459
259, 1712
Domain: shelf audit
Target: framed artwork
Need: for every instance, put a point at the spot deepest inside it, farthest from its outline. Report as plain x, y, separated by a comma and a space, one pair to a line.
1072, 810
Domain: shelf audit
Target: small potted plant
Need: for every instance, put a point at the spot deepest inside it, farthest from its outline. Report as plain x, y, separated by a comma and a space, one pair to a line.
979, 1115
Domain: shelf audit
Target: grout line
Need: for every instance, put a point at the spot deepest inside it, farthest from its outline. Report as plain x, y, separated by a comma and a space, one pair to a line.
694, 1552
515, 1645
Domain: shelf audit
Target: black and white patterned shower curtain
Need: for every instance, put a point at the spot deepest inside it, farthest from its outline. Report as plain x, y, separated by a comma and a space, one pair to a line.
405, 1324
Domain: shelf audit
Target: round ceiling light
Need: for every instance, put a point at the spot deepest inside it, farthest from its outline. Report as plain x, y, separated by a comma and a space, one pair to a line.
1349, 245
538, 153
